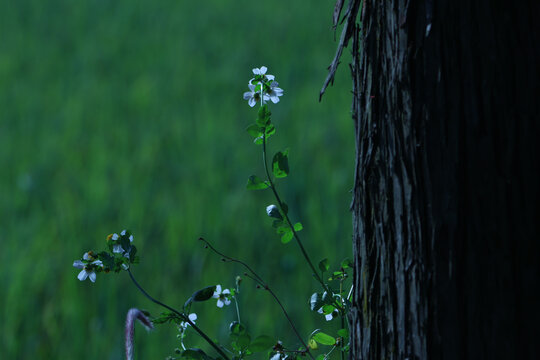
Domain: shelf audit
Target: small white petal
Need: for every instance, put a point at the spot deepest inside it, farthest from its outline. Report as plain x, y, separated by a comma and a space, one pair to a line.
227, 301
117, 248
226, 292
219, 303
252, 102
193, 317
78, 264
217, 291
270, 77
123, 232
115, 236
87, 256
82, 275
263, 70
131, 238
320, 311
92, 276
248, 95
256, 71
97, 263
328, 317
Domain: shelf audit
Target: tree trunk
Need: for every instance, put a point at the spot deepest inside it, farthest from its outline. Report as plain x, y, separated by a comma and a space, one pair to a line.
445, 207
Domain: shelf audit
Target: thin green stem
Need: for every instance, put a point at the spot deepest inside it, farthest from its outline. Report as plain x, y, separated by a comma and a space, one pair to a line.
255, 277
181, 315
237, 309
295, 234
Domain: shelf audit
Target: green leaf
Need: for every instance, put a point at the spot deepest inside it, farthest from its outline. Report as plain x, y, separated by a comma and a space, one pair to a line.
346, 263
258, 141
270, 130
324, 339
262, 343
344, 333
287, 236
194, 354
254, 130
131, 253
280, 164
255, 183
201, 295
107, 260
263, 116
243, 341
236, 328
298, 227
124, 241
324, 265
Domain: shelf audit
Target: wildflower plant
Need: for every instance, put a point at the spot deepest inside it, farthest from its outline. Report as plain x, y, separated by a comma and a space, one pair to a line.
332, 301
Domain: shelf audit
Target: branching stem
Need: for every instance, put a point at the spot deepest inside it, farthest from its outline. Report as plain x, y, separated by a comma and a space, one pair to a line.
181, 315
255, 277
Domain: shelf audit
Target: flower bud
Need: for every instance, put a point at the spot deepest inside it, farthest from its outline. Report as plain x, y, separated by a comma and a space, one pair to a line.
273, 211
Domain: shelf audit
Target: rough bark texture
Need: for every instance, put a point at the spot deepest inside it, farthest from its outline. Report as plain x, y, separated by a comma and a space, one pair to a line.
445, 206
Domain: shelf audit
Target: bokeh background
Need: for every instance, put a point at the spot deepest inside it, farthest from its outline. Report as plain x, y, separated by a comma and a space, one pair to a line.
129, 114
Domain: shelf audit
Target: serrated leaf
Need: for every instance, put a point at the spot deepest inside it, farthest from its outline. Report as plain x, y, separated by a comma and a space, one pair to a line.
261, 343
298, 227
254, 130
255, 183
324, 265
270, 130
287, 236
324, 339
280, 164
263, 116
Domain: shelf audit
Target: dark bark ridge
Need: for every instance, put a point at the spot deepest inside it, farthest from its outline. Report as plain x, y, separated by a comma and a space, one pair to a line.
446, 194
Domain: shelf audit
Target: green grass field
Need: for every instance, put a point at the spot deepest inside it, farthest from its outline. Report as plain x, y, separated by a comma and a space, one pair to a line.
129, 114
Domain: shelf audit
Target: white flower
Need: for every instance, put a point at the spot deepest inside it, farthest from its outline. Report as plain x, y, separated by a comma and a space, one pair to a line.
262, 71
222, 296
88, 267
117, 248
253, 97
330, 316
185, 324
274, 92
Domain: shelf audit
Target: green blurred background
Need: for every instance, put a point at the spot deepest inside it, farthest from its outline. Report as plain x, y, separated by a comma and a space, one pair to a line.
129, 114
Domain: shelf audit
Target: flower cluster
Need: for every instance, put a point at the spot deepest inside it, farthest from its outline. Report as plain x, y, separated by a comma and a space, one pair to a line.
262, 87
120, 255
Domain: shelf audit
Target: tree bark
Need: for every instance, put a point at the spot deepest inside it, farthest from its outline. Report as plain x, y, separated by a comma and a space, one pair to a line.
445, 205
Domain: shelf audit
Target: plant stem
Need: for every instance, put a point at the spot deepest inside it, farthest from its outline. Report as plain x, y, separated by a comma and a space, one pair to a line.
296, 237
184, 317
255, 277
